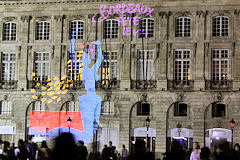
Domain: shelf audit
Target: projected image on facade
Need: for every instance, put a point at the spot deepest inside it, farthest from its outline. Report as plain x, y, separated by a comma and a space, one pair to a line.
53, 123
90, 104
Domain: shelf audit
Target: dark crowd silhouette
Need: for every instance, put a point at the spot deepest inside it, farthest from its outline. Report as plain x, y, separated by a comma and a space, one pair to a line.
65, 148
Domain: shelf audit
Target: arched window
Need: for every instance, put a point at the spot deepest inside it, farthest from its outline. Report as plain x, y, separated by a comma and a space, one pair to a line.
107, 108
42, 30
9, 31
143, 109
110, 29
218, 109
5, 108
180, 109
146, 27
73, 27
220, 26
182, 27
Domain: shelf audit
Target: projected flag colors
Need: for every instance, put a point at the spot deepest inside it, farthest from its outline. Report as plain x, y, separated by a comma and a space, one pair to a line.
45, 121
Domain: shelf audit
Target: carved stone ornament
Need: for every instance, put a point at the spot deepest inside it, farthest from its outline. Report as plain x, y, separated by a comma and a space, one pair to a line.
144, 97
108, 96
9, 18
183, 13
43, 18
78, 16
164, 14
221, 13
181, 97
58, 18
237, 11
5, 97
25, 18
201, 13
218, 96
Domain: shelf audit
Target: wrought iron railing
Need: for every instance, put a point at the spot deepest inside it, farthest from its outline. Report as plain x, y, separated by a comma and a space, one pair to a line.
8, 84
180, 84
37, 84
219, 84
76, 84
107, 84
143, 84
73, 84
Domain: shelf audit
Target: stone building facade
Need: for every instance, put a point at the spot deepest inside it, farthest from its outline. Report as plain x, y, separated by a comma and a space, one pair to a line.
188, 75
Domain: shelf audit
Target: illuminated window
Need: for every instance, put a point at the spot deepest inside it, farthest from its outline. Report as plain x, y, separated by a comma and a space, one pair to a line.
180, 109
74, 66
110, 29
220, 26
42, 32
220, 64
107, 108
41, 66
143, 109
6, 107
146, 27
79, 32
145, 65
182, 65
8, 67
109, 67
9, 31
218, 110
182, 27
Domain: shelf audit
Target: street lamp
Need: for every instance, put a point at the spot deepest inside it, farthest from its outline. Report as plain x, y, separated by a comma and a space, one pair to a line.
179, 127
147, 125
232, 125
69, 123
95, 129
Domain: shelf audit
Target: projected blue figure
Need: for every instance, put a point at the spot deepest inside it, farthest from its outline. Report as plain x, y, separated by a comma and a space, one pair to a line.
90, 104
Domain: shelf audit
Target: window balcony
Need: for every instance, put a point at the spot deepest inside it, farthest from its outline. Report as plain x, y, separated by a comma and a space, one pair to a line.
143, 84
73, 85
180, 84
107, 84
218, 84
8, 84
36, 84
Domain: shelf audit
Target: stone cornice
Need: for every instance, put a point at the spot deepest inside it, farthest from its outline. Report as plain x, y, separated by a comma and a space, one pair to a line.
54, 2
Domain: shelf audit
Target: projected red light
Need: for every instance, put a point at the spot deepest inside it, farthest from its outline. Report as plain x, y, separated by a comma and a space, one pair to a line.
40, 120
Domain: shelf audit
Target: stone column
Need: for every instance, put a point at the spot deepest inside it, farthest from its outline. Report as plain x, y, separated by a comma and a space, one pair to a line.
199, 82
236, 47
56, 48
23, 50
162, 51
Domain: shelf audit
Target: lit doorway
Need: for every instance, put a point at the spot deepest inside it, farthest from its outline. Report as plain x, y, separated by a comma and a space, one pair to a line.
141, 134
217, 136
184, 136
